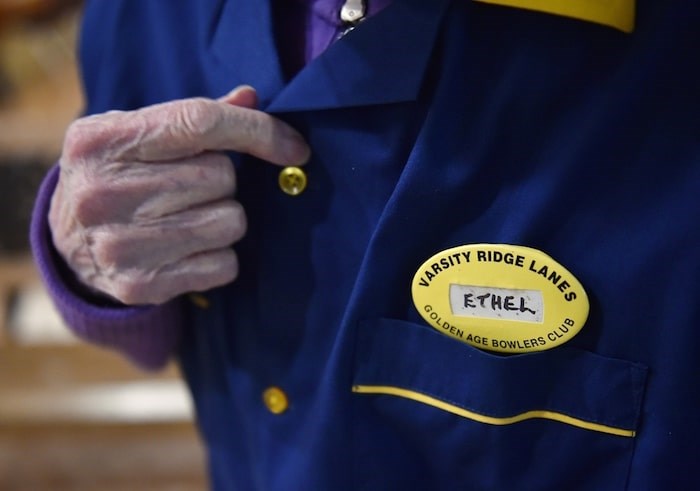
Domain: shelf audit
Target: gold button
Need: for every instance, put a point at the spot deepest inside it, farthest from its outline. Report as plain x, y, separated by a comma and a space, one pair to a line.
292, 180
199, 300
275, 400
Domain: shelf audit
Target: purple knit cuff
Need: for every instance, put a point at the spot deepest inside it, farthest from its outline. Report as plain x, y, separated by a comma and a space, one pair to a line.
146, 335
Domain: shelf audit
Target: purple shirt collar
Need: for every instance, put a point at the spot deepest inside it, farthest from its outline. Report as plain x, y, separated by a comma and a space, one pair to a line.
312, 26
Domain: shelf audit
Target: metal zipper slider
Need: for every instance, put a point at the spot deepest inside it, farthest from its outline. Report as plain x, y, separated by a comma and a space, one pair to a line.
352, 13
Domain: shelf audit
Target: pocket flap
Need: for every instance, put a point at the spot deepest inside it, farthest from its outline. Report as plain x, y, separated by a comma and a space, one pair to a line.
565, 384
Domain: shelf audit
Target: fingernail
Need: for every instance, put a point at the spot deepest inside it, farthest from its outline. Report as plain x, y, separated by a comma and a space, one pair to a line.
238, 89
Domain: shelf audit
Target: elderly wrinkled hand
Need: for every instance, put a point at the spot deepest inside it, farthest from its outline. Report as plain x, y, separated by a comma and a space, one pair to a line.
144, 209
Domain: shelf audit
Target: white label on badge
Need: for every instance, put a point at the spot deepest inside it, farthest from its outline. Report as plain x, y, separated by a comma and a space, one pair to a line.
496, 303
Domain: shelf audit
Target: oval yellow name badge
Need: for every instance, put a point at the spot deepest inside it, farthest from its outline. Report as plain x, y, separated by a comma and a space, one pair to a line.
499, 297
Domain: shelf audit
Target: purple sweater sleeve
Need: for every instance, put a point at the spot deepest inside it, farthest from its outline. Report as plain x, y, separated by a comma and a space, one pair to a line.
147, 335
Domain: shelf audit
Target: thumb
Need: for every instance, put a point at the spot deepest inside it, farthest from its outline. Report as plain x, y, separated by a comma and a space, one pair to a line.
242, 96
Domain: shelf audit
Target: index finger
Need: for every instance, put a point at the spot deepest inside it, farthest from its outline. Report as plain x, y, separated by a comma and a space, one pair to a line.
184, 128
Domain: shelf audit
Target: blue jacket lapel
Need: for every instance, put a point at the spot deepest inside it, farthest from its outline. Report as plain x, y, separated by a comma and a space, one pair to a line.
242, 50
383, 61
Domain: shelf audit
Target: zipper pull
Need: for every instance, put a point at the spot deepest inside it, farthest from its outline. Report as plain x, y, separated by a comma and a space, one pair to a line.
352, 13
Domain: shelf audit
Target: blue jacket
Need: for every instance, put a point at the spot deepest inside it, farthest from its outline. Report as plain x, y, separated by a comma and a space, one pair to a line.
433, 125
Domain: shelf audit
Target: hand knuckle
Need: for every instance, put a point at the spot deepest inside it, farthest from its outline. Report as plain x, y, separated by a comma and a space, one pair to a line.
73, 143
213, 168
256, 128
236, 222
196, 116
229, 266
107, 250
226, 174
87, 202
128, 291
225, 222
137, 288
84, 137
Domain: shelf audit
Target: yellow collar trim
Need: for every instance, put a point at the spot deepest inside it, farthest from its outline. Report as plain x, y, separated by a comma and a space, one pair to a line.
459, 411
613, 13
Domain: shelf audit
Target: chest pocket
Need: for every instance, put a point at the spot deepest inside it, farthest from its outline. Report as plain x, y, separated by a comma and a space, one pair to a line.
432, 413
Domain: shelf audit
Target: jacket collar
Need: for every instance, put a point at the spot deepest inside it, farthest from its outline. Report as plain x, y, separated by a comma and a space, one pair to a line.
382, 61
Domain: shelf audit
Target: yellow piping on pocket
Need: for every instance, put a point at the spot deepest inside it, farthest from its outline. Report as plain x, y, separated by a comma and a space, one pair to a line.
618, 14
459, 411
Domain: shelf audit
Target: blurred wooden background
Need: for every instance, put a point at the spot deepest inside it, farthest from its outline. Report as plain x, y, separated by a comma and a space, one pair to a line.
72, 416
